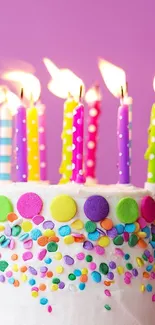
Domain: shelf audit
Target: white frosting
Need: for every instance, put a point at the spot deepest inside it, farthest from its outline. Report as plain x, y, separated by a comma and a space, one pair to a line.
71, 306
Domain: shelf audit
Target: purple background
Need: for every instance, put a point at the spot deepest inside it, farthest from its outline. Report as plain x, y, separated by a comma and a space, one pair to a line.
74, 34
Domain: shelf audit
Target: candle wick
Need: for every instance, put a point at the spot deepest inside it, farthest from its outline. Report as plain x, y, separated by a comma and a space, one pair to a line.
80, 95
127, 86
22, 94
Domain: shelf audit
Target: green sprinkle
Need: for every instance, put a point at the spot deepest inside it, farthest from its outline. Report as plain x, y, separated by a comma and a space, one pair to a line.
2, 238
144, 257
16, 230
104, 268
52, 247
89, 258
129, 266
72, 277
107, 307
153, 237
3, 265
90, 226
133, 240
56, 281
118, 240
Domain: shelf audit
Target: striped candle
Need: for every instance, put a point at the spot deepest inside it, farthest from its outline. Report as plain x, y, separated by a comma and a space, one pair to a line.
5, 143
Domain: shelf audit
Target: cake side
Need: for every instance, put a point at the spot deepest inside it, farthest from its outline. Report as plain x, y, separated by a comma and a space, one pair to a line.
84, 254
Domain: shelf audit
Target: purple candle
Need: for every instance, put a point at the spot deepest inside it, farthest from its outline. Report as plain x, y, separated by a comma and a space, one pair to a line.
123, 144
42, 141
21, 144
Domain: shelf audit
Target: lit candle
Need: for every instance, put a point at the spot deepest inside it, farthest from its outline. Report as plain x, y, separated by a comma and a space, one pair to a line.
123, 144
93, 97
5, 142
150, 152
129, 101
66, 164
21, 143
42, 140
33, 144
78, 133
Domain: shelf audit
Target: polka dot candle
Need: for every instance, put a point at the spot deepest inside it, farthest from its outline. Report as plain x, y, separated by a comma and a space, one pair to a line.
150, 153
123, 145
42, 141
21, 145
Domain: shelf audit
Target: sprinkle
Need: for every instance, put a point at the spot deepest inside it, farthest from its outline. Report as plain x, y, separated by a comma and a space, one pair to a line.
68, 260
112, 265
103, 241
129, 266
43, 301
69, 240
32, 270
58, 256
128, 274
28, 244
37, 220
32, 282
133, 240
153, 297
142, 222
42, 241
126, 236
12, 244
23, 236
34, 294
84, 271
54, 287
82, 286
142, 243
139, 261
90, 226
3, 265
92, 266
106, 224
80, 256
11, 280
49, 309
71, 277
112, 233
5, 243
120, 228
126, 257
130, 227
110, 275
107, 293
2, 278
88, 245
16, 230
48, 224
103, 268
14, 257
52, 247
77, 224
96, 276
127, 280
15, 268
27, 256
119, 252
149, 287
24, 277
135, 272
59, 269
9, 274
23, 269
84, 278
99, 250
147, 231
146, 275
35, 234
7, 230
42, 254
27, 226
120, 270
89, 258
107, 307
142, 288
77, 272
49, 274
61, 285
94, 235
16, 283
64, 231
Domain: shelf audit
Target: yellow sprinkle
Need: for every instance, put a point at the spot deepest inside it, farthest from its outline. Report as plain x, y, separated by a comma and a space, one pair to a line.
69, 240
58, 256
139, 261
77, 224
49, 233
84, 271
15, 267
137, 226
120, 269
54, 287
103, 241
142, 288
24, 277
154, 267
59, 269
27, 226
34, 294
141, 234
2, 227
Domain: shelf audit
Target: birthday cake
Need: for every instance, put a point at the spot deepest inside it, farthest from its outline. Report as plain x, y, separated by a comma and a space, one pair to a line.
74, 254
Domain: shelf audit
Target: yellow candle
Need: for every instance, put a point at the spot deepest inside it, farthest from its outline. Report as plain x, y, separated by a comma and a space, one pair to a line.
33, 144
66, 164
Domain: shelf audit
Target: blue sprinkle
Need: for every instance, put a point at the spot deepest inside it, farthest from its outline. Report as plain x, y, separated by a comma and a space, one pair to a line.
82, 286
23, 237
43, 301
130, 227
149, 287
126, 257
149, 268
11, 280
64, 231
96, 276
35, 234
94, 235
32, 282
48, 260
147, 231
120, 229
5, 243
77, 272
152, 243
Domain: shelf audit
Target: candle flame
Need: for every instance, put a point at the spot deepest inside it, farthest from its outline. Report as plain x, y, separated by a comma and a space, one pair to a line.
93, 94
113, 76
12, 99
25, 80
63, 82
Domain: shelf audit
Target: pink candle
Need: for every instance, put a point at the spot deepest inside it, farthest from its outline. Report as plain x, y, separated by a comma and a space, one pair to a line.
42, 140
77, 158
93, 98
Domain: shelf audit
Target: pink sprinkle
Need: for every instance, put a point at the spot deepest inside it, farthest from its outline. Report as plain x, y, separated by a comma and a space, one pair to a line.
100, 250
150, 258
142, 222
92, 266
9, 274
42, 275
77, 235
28, 244
126, 236
35, 289
42, 254
27, 256
119, 252
80, 256
127, 280
153, 297
107, 293
12, 244
49, 309
128, 275
37, 220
